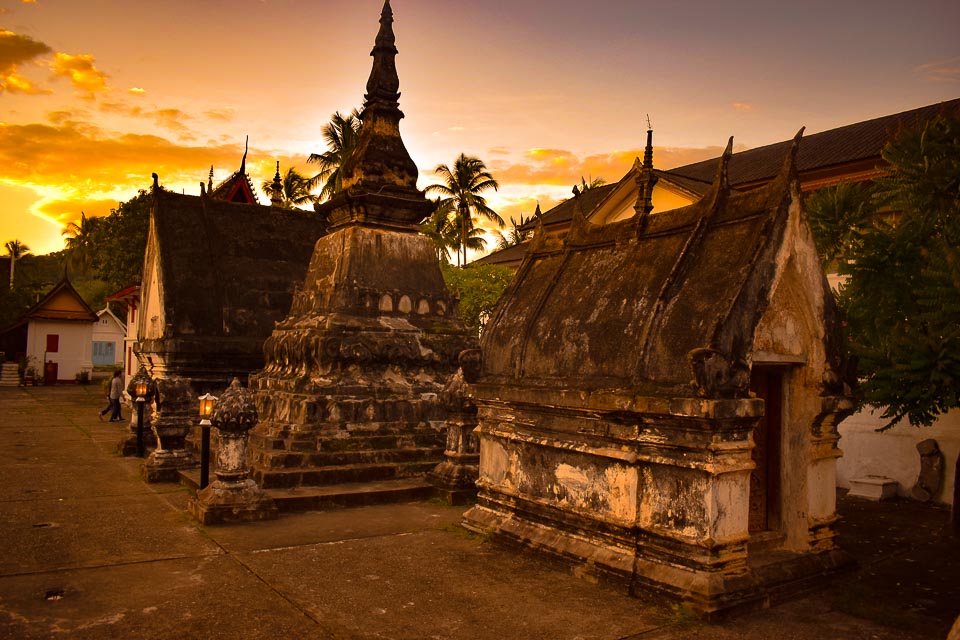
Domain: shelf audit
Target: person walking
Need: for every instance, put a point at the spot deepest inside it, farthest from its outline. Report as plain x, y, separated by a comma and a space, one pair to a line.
114, 395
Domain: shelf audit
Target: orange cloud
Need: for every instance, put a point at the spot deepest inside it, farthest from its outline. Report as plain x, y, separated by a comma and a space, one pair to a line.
136, 91
81, 72
743, 106
559, 167
16, 50
944, 71
223, 115
68, 210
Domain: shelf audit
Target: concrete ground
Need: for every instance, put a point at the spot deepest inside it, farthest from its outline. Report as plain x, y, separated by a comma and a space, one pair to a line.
88, 550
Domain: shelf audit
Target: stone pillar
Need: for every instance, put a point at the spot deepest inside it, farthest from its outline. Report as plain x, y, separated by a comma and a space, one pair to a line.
171, 422
455, 478
233, 496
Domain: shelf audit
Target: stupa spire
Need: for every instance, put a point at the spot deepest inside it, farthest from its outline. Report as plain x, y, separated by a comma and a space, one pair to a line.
383, 85
379, 164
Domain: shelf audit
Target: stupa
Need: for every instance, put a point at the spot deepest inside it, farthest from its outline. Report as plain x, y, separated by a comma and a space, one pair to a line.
349, 392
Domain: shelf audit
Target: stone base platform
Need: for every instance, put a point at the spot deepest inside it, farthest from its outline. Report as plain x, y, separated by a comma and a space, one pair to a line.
771, 577
355, 494
873, 488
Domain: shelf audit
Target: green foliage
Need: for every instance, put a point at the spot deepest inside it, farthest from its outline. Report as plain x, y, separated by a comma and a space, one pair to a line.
901, 298
35, 276
342, 134
118, 242
517, 234
294, 189
838, 217
478, 288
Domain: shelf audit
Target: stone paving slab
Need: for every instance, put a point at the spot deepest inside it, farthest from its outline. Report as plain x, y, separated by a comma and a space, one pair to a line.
199, 597
125, 561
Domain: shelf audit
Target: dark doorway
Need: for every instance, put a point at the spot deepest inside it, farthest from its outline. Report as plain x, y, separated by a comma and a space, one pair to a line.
766, 383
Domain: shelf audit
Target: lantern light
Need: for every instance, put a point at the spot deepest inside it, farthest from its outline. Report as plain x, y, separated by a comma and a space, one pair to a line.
141, 388
207, 403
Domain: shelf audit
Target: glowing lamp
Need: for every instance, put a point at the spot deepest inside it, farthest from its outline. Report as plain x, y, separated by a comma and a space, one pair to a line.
207, 403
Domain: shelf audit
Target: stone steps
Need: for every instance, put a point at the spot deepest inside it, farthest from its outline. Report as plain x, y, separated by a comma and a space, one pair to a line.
9, 375
340, 474
352, 494
267, 461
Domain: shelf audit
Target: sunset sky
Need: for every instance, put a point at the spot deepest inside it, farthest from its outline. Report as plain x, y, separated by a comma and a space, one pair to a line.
95, 95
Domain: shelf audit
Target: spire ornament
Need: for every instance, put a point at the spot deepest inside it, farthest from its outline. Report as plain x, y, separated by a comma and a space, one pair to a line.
276, 188
379, 178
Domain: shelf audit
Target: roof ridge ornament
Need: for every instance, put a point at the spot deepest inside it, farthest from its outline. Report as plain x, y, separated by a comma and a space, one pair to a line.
646, 180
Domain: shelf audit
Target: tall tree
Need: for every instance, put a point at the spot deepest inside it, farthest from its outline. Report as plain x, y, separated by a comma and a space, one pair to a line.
460, 189
78, 242
901, 297
294, 189
120, 240
838, 217
341, 135
16, 250
440, 228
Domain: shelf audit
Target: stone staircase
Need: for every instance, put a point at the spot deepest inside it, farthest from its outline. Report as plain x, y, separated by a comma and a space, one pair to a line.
307, 471
9, 375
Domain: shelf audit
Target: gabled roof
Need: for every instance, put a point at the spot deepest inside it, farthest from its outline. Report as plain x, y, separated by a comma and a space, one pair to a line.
633, 305
106, 312
229, 269
853, 142
61, 303
505, 256
237, 188
563, 212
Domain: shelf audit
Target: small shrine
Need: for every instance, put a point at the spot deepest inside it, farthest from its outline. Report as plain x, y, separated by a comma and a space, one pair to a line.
350, 392
658, 399
218, 275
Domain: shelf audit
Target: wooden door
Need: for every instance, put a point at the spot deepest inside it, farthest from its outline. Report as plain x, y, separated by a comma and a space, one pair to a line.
766, 383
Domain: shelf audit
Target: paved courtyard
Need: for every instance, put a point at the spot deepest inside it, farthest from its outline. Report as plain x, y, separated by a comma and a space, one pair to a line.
90, 551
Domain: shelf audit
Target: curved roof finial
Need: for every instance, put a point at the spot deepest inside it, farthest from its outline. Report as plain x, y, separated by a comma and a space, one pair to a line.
243, 161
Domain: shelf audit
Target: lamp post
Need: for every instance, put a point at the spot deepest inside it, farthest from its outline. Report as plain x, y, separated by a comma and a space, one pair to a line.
143, 387
207, 403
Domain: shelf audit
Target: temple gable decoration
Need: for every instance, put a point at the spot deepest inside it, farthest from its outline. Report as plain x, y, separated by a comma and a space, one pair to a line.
656, 393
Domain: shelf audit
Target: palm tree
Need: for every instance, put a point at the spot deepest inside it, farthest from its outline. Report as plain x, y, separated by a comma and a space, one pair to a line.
461, 187
294, 191
440, 228
79, 242
516, 235
16, 250
341, 134
593, 183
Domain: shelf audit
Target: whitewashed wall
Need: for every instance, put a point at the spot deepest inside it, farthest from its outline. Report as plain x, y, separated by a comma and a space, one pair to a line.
75, 348
893, 453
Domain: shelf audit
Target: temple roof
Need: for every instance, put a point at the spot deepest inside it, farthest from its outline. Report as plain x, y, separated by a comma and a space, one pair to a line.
625, 305
229, 269
237, 188
850, 143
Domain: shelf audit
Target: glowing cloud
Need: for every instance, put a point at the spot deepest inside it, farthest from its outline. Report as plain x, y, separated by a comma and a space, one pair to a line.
743, 106
82, 73
16, 50
136, 90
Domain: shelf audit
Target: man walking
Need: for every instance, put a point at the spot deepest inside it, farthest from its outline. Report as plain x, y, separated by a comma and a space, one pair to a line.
116, 392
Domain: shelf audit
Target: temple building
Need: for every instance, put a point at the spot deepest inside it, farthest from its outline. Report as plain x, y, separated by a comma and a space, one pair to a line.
218, 274
676, 428
349, 392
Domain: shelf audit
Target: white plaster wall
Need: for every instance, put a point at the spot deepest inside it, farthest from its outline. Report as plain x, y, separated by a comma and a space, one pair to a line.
893, 453
75, 347
106, 329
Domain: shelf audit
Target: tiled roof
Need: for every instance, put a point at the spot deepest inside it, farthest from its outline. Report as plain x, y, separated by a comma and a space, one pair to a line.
502, 256
850, 143
564, 211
